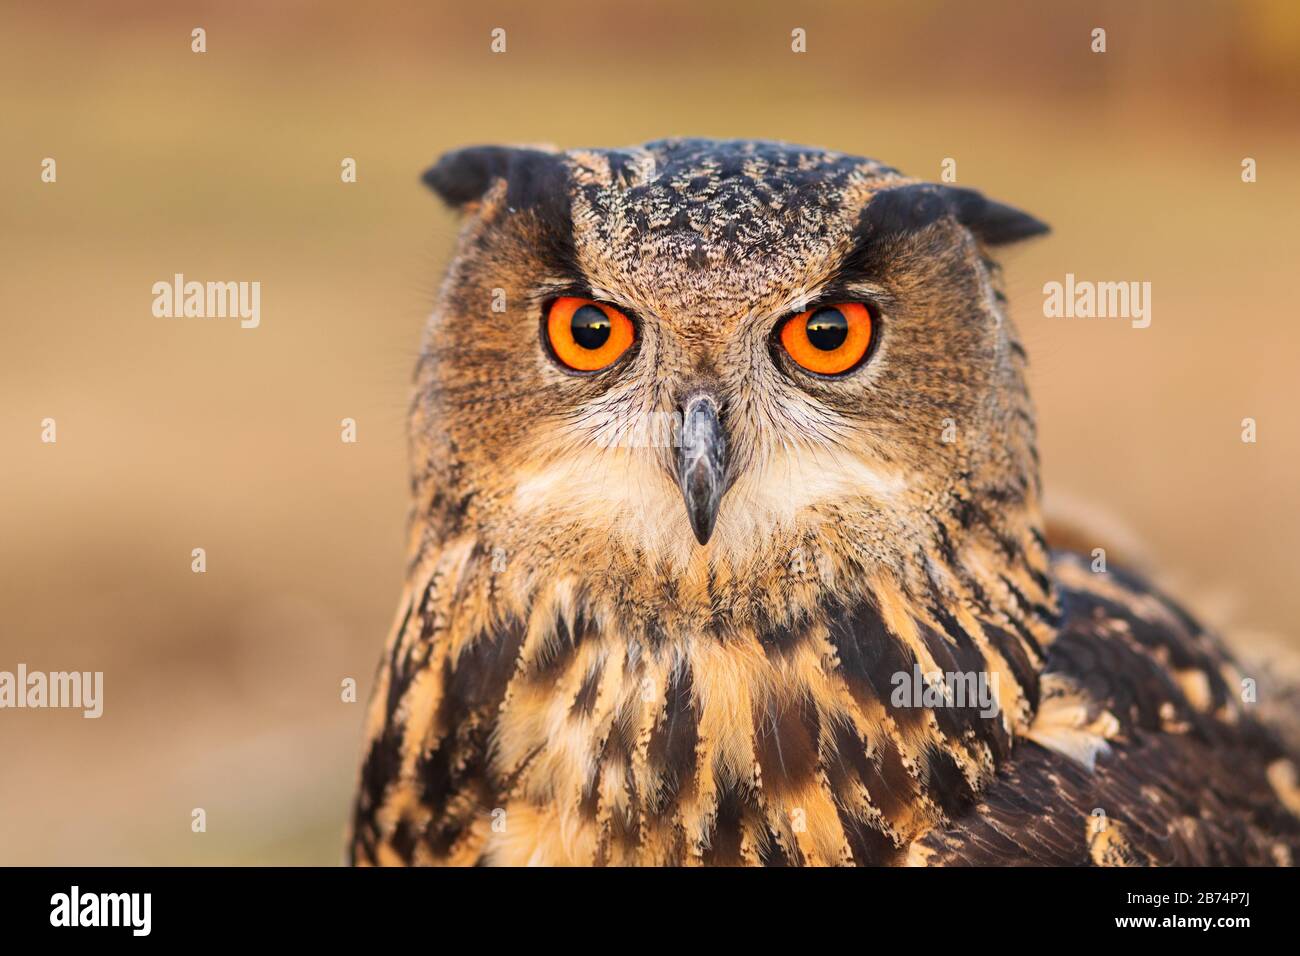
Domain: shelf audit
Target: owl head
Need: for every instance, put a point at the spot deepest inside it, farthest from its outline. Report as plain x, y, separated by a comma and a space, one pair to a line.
704, 357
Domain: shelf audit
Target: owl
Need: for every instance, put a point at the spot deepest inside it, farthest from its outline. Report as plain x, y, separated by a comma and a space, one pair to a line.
726, 548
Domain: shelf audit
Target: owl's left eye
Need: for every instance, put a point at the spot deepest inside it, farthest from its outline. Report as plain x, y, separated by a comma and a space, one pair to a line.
587, 335
830, 339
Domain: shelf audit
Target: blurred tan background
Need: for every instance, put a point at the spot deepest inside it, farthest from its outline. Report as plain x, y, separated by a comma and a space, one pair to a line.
222, 690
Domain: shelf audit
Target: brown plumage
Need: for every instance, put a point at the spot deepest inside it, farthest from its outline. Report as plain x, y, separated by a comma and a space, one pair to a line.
574, 678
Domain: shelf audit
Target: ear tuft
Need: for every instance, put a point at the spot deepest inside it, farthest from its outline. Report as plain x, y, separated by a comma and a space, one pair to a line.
465, 175
993, 222
918, 205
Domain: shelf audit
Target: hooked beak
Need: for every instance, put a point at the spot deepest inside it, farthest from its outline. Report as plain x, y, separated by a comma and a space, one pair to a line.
702, 464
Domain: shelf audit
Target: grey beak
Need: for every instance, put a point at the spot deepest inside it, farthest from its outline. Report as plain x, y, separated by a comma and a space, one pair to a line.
702, 464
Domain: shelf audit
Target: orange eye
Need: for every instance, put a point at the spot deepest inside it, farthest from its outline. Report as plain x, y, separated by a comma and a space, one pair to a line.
586, 335
829, 339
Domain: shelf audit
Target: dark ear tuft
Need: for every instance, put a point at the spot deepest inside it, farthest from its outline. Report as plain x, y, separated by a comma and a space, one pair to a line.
993, 222
918, 205
464, 175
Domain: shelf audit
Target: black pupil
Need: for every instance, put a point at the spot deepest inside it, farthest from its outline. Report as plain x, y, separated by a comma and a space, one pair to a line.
590, 327
827, 329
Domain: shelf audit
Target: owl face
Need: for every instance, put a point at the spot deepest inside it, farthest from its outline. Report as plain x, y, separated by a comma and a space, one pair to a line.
708, 354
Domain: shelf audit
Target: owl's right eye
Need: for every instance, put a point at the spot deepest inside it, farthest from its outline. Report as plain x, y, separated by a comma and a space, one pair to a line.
586, 335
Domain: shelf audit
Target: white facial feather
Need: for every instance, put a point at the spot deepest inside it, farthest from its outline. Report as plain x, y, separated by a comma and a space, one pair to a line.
628, 493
